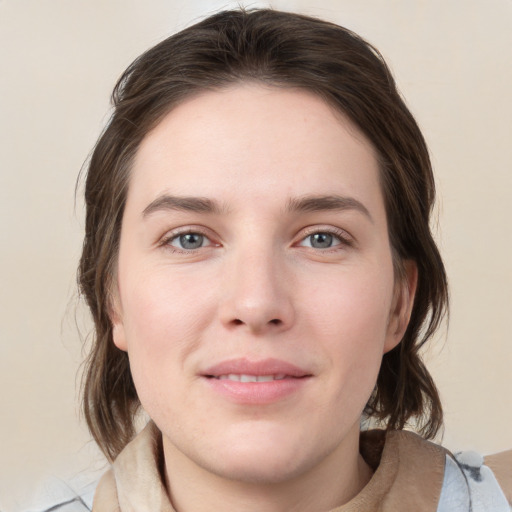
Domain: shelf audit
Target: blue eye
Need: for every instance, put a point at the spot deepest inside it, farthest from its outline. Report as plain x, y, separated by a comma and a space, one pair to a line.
189, 241
321, 240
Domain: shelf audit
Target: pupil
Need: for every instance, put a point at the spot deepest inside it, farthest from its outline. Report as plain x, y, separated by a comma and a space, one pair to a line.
191, 241
321, 240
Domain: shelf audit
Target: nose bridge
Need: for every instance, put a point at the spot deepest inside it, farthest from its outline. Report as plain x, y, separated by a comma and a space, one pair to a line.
256, 294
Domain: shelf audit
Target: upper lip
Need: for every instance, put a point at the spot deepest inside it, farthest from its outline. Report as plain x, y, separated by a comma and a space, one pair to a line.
242, 366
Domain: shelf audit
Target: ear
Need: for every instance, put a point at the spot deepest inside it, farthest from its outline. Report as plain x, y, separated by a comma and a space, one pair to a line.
116, 318
403, 301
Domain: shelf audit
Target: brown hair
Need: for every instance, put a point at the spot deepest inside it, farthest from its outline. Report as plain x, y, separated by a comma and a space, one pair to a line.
283, 50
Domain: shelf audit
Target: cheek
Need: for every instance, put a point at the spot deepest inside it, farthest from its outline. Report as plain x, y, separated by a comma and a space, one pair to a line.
351, 322
353, 304
158, 302
163, 320
161, 330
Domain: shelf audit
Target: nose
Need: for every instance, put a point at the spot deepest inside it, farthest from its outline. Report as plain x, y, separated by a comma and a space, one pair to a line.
257, 294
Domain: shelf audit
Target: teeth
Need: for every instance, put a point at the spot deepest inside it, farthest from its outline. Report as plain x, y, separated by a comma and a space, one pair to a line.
252, 378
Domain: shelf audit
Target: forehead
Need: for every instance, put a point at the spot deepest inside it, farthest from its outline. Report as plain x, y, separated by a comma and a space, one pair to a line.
254, 139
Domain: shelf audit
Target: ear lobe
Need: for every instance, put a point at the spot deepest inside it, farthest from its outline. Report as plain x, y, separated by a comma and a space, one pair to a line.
403, 302
116, 318
118, 336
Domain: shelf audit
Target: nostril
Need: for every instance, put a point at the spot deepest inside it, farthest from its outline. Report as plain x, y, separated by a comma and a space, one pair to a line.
256, 324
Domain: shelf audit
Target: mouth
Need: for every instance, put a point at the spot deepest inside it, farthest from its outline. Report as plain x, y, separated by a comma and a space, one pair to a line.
244, 370
253, 378
256, 382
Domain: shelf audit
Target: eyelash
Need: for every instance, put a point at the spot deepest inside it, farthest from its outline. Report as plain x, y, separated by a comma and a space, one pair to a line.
167, 240
345, 240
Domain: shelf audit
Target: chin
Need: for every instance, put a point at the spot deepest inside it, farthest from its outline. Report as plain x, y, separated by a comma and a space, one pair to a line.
261, 468
267, 458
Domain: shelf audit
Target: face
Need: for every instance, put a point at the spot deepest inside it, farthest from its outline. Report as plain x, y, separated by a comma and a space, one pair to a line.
255, 293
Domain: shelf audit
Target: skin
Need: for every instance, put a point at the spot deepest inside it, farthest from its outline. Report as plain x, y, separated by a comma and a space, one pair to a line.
258, 286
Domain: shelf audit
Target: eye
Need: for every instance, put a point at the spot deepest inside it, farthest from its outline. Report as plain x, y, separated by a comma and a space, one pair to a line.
189, 241
325, 240
320, 241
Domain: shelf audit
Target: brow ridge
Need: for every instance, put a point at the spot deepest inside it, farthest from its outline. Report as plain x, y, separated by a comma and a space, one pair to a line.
304, 204
182, 203
314, 203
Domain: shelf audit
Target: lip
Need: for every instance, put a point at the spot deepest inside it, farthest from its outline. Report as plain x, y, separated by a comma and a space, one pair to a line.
256, 393
264, 367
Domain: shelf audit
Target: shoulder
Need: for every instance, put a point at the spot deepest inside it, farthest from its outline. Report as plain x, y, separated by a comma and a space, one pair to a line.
470, 484
501, 466
455, 482
57, 494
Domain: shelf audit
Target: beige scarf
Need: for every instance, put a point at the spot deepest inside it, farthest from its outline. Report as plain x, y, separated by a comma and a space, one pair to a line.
408, 475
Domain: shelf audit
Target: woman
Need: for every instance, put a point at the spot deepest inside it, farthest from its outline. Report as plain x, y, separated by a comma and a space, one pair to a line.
261, 273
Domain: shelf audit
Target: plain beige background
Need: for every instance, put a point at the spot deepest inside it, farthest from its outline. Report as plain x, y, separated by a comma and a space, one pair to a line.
59, 61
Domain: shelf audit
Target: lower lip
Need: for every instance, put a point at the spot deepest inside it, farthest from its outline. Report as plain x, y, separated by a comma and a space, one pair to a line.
257, 393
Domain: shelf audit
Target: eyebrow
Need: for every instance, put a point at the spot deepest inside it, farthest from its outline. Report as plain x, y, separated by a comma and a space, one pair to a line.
308, 204
305, 204
183, 203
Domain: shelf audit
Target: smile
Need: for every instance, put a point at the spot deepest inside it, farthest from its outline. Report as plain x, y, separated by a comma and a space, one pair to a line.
250, 383
251, 378
244, 370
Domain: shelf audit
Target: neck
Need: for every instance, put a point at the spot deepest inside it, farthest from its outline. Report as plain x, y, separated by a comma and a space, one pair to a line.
330, 482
